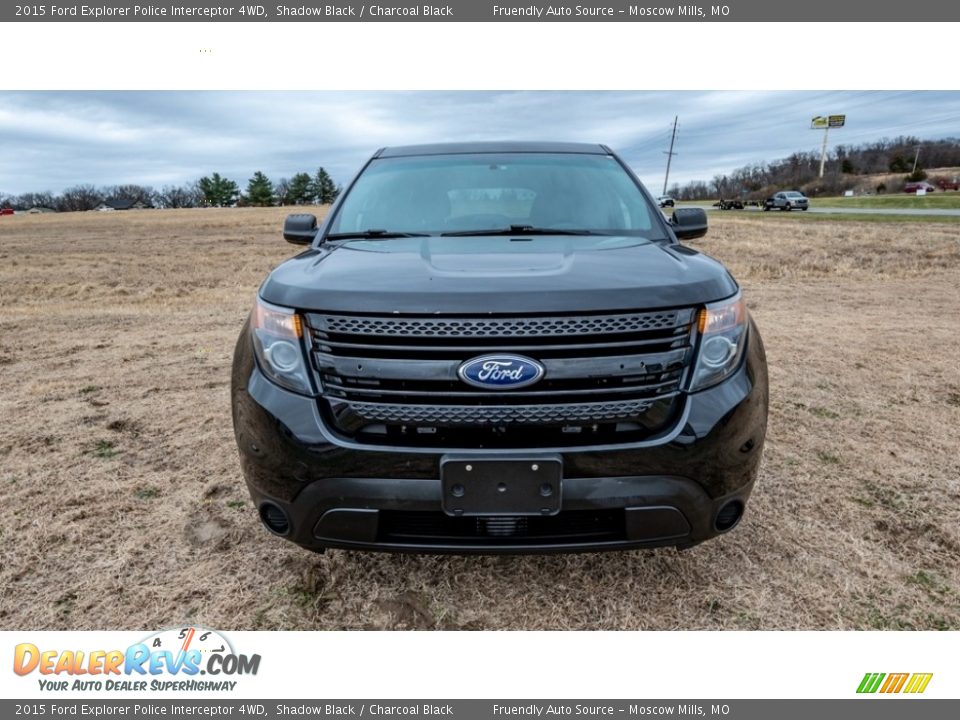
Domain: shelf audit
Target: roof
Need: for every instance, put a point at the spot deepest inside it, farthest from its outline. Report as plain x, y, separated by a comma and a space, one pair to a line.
492, 147
116, 204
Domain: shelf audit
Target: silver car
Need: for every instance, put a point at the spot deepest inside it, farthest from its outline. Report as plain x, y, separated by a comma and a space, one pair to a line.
787, 200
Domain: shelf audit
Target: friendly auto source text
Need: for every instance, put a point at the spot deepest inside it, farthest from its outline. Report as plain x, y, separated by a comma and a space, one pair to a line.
549, 11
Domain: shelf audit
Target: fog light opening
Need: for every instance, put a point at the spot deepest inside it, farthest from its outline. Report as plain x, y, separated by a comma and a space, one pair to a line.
729, 516
274, 518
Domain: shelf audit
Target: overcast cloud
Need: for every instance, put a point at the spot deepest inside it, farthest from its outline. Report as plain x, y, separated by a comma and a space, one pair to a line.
52, 140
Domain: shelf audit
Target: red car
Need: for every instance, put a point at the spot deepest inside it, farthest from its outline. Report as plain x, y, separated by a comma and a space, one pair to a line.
6, 211
949, 184
912, 187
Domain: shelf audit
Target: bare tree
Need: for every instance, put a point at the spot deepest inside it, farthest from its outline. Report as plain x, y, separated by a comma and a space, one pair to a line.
131, 193
36, 199
180, 196
80, 197
720, 184
281, 191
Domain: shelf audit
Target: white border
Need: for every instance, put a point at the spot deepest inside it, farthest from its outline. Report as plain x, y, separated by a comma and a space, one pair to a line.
561, 665
473, 56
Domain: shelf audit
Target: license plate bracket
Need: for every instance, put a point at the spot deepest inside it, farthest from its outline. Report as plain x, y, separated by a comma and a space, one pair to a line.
528, 485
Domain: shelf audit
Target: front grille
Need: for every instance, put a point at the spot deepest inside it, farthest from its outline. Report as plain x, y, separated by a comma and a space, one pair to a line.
435, 528
394, 378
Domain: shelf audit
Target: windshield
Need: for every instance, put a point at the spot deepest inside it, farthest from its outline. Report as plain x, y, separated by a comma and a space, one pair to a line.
469, 193
794, 195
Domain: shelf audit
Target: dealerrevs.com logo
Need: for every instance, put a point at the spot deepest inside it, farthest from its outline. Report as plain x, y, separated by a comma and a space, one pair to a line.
168, 660
910, 683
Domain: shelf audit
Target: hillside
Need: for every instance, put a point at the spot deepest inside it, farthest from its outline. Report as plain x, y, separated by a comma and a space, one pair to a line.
878, 167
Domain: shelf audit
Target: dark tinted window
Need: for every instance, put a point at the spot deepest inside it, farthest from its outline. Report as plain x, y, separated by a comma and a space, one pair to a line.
450, 193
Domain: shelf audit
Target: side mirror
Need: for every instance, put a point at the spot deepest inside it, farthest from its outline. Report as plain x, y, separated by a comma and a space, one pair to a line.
689, 223
300, 229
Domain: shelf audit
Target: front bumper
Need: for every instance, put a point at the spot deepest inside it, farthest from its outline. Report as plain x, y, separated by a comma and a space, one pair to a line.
680, 488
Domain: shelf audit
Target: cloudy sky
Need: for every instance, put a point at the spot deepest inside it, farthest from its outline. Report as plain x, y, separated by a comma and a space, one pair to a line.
51, 140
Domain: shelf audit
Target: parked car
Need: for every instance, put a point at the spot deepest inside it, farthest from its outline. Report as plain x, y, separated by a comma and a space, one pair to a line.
787, 200
665, 201
499, 347
945, 184
6, 211
912, 187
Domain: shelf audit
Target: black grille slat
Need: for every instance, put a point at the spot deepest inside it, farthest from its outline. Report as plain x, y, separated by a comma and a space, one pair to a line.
438, 394
674, 339
556, 369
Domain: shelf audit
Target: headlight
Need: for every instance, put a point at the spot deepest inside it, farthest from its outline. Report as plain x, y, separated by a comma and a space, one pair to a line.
277, 342
723, 334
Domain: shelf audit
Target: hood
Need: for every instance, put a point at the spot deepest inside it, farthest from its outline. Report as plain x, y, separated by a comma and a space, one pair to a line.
503, 275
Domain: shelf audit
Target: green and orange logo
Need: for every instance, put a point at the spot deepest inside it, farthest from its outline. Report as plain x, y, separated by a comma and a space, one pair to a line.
913, 683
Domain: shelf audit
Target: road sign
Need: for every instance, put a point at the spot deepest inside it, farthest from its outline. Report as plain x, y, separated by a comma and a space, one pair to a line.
822, 122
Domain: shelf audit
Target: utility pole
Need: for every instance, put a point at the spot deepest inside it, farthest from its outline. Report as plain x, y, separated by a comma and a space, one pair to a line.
825, 123
823, 150
915, 159
670, 153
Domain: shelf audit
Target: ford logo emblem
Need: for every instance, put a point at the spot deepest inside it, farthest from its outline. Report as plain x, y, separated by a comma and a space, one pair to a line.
502, 372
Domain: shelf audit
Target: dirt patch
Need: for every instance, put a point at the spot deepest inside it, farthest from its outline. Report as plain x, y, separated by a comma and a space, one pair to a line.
122, 503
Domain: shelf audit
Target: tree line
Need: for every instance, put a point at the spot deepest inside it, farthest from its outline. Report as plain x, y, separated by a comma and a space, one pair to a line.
846, 164
212, 190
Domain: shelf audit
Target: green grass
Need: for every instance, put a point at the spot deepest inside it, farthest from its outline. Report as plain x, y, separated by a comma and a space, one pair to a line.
104, 449
828, 458
848, 217
949, 200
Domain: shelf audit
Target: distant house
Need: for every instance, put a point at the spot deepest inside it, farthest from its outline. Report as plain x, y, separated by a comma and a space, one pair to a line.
115, 204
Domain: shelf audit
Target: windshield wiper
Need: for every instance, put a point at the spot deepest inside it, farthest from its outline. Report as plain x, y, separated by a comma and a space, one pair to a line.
521, 230
373, 234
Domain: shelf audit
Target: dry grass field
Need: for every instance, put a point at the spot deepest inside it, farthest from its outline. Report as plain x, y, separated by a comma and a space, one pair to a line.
122, 503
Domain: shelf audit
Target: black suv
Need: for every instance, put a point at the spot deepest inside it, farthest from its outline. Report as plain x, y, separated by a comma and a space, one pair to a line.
499, 348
